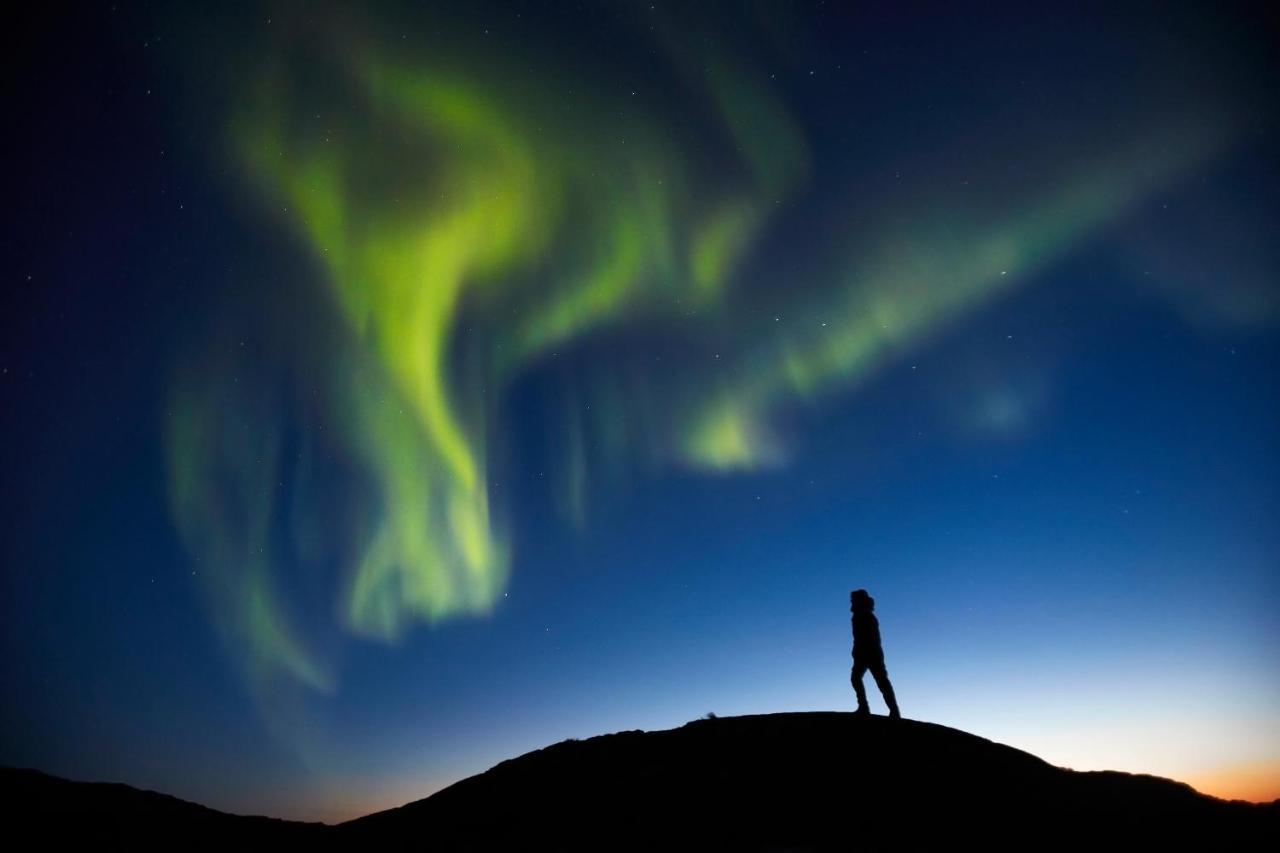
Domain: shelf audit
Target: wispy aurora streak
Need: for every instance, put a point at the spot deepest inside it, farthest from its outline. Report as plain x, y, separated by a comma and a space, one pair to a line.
465, 232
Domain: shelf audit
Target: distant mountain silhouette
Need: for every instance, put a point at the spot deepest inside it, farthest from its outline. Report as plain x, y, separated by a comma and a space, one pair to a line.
814, 781
47, 809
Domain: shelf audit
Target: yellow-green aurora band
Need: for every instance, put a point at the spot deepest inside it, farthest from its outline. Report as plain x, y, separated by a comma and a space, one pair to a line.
465, 231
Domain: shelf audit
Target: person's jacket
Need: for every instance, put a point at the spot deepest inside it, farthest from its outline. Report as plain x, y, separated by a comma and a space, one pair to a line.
866, 636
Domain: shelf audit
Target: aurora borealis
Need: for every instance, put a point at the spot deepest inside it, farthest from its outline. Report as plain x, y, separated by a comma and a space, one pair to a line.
417, 337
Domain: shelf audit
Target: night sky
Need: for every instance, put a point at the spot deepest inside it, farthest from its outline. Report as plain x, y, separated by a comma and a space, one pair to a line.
386, 393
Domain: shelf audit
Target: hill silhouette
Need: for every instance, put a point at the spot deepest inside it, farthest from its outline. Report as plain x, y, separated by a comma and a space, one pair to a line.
803, 781
52, 810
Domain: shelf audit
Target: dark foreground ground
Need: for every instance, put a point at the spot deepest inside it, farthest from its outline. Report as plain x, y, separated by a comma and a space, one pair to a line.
812, 781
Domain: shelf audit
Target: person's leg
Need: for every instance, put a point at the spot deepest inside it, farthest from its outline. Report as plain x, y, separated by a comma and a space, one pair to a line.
881, 676
856, 678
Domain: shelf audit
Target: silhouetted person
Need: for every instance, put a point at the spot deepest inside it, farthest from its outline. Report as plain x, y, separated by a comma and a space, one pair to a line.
867, 652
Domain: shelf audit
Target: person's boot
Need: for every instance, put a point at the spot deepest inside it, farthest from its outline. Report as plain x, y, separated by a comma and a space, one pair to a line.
863, 711
894, 713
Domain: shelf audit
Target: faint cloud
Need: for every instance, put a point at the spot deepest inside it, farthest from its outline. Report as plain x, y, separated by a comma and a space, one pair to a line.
1213, 257
1004, 410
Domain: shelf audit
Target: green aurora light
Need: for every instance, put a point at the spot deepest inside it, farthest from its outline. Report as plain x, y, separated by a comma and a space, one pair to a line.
465, 230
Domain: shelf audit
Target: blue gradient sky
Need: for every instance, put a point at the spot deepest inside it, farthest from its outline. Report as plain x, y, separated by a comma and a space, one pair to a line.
1063, 499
